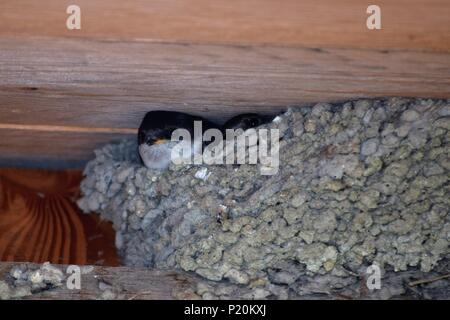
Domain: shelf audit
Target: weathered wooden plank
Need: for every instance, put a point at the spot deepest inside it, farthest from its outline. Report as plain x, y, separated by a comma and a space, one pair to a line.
126, 283
406, 24
113, 84
130, 283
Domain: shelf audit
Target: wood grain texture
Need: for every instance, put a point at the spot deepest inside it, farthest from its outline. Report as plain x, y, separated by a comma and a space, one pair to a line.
406, 24
130, 283
113, 84
63, 93
145, 284
39, 220
51, 146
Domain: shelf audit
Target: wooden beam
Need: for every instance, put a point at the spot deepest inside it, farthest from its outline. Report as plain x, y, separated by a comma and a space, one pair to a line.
63, 93
48, 149
127, 283
130, 283
113, 84
406, 24
60, 99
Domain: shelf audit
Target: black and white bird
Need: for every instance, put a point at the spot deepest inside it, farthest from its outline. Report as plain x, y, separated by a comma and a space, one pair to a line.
155, 132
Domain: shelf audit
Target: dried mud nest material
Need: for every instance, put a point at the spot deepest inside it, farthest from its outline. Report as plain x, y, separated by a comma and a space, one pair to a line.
361, 182
24, 281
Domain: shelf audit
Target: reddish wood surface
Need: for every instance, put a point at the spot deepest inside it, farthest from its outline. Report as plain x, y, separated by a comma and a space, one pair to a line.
406, 24
39, 220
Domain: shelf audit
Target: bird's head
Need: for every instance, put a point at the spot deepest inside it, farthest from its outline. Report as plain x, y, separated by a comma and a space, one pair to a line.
154, 136
155, 147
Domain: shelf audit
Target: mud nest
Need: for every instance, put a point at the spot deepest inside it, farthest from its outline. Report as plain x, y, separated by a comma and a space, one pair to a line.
359, 183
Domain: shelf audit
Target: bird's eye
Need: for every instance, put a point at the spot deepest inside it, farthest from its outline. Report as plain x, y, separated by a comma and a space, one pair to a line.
149, 141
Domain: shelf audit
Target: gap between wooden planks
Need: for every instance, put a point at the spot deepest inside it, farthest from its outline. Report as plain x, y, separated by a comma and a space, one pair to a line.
49, 128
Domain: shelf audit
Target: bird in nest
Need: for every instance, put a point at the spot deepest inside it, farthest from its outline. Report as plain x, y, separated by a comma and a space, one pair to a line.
155, 133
